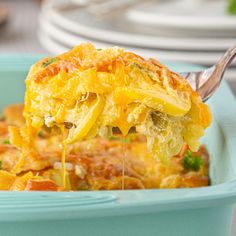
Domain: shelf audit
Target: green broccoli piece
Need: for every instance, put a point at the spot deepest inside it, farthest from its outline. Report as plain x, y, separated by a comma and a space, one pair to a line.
191, 162
6, 141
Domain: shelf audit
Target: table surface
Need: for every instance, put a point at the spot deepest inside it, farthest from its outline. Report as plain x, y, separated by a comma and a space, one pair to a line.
19, 35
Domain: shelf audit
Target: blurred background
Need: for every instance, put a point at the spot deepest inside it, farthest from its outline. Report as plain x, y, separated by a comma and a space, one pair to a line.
192, 31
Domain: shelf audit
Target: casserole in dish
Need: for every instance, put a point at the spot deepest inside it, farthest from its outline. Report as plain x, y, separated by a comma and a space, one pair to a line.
198, 211
104, 119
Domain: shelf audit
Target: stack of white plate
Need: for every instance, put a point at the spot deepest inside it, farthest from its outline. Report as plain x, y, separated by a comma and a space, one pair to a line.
196, 31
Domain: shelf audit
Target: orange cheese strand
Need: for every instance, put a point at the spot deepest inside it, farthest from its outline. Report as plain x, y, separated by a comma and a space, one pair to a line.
63, 156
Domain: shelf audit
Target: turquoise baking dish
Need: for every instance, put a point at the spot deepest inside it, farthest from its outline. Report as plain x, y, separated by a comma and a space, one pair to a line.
180, 212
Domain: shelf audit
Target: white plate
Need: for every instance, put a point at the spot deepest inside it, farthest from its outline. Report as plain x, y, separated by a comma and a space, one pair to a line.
197, 15
124, 32
50, 45
65, 37
70, 40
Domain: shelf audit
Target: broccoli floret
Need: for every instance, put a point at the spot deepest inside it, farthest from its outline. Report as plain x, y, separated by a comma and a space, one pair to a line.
6, 141
191, 162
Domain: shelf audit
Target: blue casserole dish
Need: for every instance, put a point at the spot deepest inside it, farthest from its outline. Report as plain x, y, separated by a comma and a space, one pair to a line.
180, 212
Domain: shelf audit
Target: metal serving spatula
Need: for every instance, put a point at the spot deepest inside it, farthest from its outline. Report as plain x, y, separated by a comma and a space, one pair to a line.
206, 82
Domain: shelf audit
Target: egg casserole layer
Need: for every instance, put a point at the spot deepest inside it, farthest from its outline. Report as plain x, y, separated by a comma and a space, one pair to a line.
95, 164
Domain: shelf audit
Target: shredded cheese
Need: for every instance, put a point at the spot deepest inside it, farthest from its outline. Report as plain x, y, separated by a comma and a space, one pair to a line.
63, 156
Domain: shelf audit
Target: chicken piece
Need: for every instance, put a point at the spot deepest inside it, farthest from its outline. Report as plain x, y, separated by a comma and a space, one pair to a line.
41, 185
